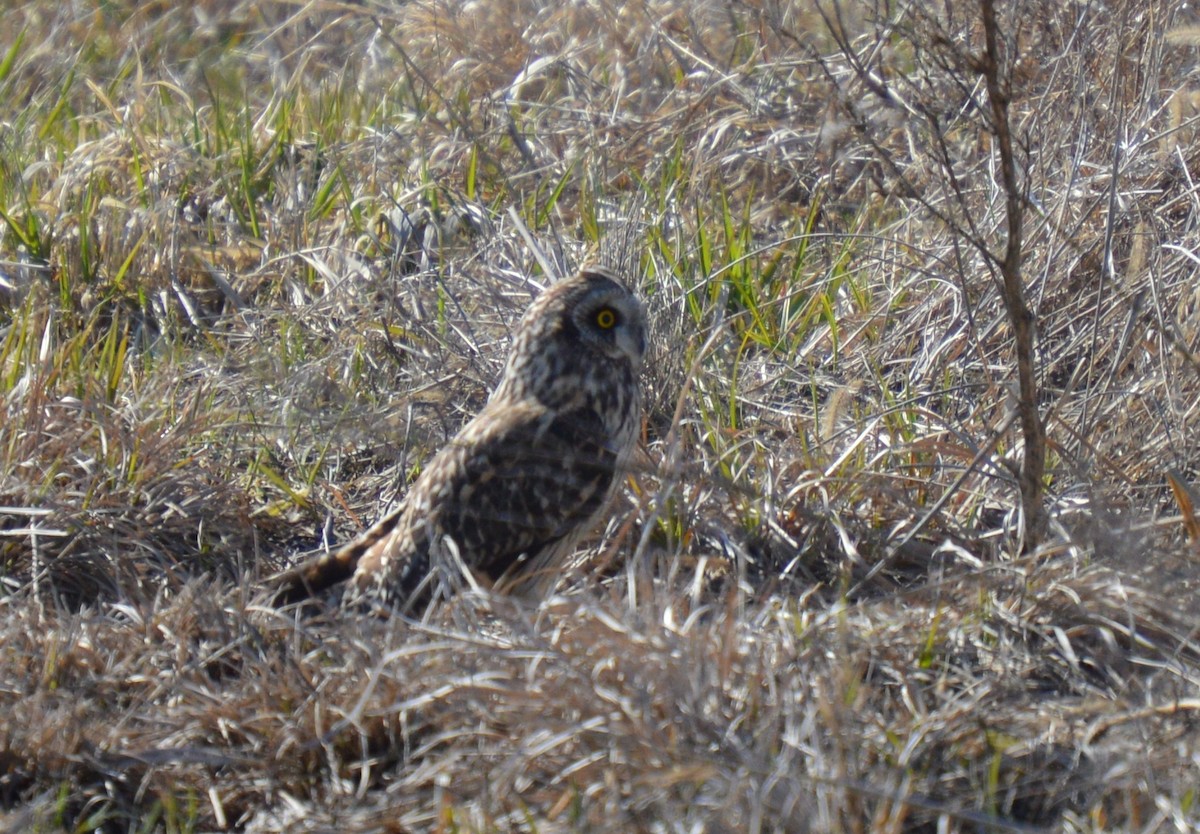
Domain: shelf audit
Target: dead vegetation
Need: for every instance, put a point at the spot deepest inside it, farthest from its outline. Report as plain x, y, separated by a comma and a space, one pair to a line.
259, 260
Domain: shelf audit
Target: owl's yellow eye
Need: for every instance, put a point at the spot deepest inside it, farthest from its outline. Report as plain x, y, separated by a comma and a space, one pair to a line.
606, 319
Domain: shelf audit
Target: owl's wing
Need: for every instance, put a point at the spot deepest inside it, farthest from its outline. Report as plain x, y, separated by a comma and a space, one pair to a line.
538, 483
514, 482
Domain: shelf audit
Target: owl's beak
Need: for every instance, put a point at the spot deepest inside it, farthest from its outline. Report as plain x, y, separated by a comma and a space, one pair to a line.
633, 345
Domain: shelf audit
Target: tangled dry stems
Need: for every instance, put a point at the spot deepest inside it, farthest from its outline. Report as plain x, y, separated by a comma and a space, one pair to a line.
1022, 690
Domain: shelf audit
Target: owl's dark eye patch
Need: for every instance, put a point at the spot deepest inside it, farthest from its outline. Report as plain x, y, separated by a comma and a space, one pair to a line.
606, 318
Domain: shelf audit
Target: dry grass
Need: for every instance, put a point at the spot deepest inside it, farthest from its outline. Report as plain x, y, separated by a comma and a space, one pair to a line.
259, 260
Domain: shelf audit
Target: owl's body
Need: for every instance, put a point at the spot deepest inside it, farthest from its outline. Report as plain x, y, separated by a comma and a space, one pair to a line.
514, 490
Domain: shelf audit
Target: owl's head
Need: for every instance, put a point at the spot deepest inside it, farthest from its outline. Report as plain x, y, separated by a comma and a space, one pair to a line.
586, 326
602, 315
591, 314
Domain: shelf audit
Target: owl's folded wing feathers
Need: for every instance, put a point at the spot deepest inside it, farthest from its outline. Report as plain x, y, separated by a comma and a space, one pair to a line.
540, 485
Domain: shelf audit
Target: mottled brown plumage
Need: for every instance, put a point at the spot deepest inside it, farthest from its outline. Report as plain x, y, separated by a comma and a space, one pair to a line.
511, 494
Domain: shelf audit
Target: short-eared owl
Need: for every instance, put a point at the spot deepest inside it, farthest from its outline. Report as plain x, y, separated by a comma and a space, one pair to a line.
511, 494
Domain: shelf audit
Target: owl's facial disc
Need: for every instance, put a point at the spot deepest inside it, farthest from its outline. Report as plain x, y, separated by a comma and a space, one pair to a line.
615, 325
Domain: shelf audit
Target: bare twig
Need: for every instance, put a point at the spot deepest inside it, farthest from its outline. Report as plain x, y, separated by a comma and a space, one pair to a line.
995, 69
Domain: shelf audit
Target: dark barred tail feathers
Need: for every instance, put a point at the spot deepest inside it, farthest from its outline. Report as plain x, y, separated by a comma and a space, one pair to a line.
318, 574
